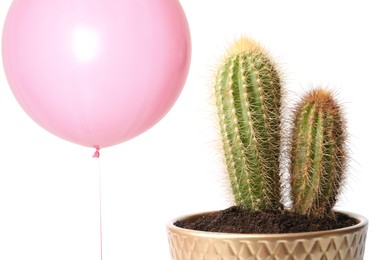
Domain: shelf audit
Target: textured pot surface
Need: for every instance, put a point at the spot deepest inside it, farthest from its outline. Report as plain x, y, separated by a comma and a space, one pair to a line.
340, 244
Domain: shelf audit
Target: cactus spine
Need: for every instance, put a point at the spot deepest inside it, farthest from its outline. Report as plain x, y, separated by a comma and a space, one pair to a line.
248, 98
318, 154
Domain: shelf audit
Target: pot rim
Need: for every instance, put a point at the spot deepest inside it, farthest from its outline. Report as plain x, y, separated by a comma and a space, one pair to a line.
361, 222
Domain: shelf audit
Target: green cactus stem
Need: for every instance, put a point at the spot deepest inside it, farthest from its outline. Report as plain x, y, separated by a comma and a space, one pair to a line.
248, 98
318, 154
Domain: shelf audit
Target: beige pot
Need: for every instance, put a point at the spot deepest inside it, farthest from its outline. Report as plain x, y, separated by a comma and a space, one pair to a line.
341, 244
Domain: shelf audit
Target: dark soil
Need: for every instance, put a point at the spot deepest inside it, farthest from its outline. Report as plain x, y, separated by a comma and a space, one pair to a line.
238, 220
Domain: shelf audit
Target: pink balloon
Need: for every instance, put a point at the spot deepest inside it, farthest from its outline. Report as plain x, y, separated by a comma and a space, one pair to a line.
96, 72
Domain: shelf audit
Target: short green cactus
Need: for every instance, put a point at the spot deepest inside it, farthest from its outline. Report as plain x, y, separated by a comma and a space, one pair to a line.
248, 98
318, 154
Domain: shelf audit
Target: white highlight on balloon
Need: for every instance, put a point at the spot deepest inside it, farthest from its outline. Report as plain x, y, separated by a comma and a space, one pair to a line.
85, 44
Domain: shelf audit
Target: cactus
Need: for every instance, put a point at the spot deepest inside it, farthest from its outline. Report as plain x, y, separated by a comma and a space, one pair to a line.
318, 154
248, 95
248, 98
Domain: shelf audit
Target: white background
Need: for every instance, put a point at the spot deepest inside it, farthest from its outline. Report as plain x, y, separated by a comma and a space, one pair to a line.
48, 187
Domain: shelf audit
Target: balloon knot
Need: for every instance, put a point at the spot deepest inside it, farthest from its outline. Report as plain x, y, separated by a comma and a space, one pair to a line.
97, 153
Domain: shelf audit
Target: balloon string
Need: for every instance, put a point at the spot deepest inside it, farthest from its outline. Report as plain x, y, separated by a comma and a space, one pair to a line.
97, 155
100, 210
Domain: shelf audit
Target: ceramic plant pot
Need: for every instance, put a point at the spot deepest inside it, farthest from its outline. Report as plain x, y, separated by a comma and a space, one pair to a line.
341, 244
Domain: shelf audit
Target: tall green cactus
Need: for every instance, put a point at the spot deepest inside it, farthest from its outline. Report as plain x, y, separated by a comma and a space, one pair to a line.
318, 154
248, 98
